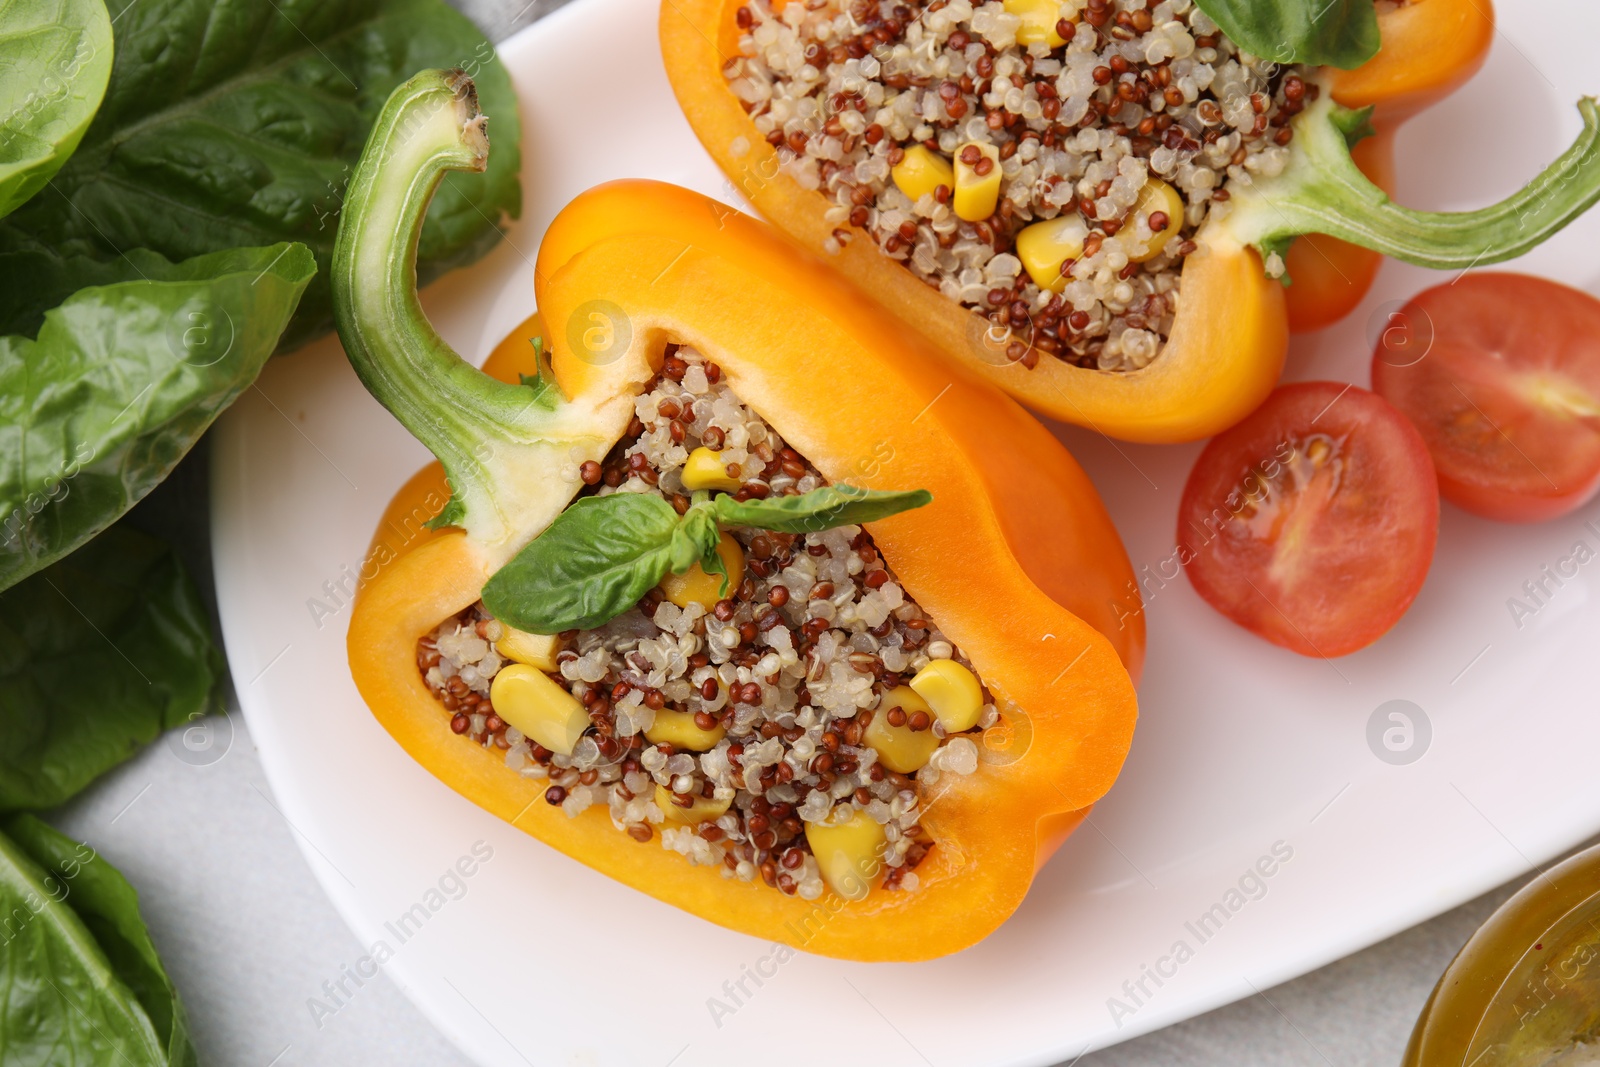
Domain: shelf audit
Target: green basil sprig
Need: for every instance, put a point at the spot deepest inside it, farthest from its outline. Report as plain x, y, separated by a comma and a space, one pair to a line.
1338, 33
820, 509
604, 553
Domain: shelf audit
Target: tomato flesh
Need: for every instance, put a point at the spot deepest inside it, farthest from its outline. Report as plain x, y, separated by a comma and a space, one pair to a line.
1502, 378
1312, 523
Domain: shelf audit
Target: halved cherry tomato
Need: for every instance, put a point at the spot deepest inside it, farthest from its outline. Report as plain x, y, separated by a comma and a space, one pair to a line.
1312, 522
1501, 373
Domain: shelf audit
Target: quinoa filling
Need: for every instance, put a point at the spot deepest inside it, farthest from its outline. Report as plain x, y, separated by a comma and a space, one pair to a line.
1046, 164
735, 727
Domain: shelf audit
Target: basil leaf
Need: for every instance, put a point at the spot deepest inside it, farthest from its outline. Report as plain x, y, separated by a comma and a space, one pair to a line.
595, 561
61, 1000
820, 509
99, 654
109, 908
238, 122
700, 528
1337, 33
121, 383
55, 60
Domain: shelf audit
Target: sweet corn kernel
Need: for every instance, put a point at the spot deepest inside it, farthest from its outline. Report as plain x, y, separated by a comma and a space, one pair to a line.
677, 728
704, 809
900, 748
1044, 246
1039, 18
536, 650
849, 855
530, 700
704, 469
921, 172
1156, 196
977, 194
695, 586
952, 692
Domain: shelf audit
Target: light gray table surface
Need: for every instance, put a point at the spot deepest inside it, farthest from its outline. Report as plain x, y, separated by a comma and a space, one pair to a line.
249, 937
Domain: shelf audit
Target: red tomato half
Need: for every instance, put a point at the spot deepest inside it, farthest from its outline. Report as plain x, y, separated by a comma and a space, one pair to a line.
1312, 522
1507, 394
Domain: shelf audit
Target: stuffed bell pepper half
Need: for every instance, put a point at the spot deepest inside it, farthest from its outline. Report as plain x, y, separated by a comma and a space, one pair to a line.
734, 593
1092, 202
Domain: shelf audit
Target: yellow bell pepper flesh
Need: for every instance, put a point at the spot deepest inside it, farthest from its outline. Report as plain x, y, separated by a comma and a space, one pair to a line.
977, 194
1039, 18
695, 586
704, 469
678, 729
536, 650
704, 809
900, 748
921, 172
1156, 198
530, 700
1013, 520
1216, 367
1044, 246
953, 692
850, 854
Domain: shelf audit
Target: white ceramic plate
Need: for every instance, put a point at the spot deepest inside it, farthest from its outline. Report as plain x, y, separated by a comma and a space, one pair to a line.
1242, 748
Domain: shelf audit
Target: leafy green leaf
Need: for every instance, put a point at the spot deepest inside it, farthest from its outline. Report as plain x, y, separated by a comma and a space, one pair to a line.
237, 122
121, 383
1338, 33
55, 59
109, 907
820, 509
99, 654
595, 561
62, 1003
604, 553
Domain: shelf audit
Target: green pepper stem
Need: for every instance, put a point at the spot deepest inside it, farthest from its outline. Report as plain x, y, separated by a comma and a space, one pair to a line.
1323, 191
501, 445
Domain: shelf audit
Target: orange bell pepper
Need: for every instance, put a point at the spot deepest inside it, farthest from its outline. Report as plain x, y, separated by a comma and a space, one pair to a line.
1015, 557
1228, 343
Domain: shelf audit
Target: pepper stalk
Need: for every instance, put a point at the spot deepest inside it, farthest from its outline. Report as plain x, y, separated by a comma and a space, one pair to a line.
1323, 191
497, 442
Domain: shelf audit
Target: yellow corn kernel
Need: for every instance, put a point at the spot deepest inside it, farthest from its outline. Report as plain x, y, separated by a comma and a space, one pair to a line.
1156, 196
530, 700
900, 748
921, 172
536, 650
704, 469
695, 586
952, 692
849, 855
1044, 246
704, 809
1039, 18
977, 194
677, 728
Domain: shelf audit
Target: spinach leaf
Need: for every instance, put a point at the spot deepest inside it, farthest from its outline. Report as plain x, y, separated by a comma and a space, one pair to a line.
1338, 33
55, 59
595, 561
61, 1001
109, 907
237, 122
120, 384
99, 654
820, 509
